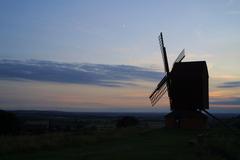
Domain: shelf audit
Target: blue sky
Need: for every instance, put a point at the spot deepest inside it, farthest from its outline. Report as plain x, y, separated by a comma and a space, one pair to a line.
115, 31
118, 33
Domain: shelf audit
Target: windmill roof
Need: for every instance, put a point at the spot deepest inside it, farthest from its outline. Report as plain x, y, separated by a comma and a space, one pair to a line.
193, 67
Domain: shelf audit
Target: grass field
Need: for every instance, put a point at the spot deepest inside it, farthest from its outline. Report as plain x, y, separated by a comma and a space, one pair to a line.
119, 144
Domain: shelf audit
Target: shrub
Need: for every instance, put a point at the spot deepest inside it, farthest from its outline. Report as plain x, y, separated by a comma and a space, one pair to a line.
127, 121
8, 122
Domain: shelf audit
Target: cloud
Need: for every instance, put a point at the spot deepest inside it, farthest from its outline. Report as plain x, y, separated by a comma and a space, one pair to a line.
232, 84
229, 101
92, 74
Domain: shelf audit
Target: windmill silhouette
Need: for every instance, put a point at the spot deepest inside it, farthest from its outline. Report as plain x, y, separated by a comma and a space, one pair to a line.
187, 88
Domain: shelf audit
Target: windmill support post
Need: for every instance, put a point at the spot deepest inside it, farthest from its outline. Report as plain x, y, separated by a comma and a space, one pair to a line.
186, 119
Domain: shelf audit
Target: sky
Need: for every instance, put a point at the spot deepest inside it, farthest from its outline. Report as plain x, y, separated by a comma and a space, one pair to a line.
90, 55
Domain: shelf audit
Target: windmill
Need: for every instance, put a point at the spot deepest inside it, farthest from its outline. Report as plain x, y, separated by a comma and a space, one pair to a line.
187, 88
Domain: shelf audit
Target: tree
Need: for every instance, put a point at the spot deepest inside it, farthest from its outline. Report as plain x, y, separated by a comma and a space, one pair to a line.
8, 122
127, 121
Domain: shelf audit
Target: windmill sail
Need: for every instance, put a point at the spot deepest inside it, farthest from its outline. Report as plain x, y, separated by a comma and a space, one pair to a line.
180, 56
165, 60
159, 95
160, 84
159, 91
163, 51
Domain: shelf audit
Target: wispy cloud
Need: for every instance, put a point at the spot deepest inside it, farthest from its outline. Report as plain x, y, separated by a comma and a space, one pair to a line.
232, 84
229, 101
91, 74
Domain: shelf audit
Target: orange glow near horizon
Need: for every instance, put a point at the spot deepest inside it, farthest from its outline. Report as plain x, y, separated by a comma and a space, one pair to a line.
59, 95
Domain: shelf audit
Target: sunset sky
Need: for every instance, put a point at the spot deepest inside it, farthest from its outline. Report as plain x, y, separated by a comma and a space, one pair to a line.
102, 55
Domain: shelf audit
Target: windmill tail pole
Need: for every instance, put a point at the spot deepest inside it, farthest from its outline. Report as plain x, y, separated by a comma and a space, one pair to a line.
221, 122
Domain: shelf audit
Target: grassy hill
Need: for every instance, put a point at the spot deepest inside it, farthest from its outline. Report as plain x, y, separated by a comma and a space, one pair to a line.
126, 143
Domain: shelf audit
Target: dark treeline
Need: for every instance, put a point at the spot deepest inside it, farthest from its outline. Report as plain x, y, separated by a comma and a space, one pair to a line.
8, 122
38, 122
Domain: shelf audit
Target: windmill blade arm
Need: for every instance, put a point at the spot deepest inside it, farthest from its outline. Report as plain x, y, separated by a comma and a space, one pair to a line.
159, 91
164, 53
180, 56
158, 95
160, 84
153, 93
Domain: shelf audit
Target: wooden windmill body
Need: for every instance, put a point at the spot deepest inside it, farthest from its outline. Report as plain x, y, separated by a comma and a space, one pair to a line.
187, 87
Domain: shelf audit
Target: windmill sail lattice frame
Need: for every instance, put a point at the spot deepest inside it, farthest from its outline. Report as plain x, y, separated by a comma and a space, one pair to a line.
165, 84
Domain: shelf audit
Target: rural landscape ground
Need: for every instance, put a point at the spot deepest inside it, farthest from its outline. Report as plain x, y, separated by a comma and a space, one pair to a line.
99, 138
73, 74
